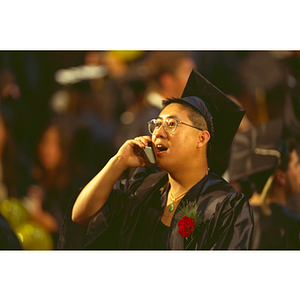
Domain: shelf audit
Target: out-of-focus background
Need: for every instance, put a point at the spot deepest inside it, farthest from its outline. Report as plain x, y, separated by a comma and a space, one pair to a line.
63, 114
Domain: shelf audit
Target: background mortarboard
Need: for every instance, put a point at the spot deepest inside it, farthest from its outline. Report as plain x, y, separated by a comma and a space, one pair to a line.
244, 160
226, 114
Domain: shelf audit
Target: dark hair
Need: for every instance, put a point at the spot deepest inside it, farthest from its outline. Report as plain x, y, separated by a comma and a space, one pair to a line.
257, 181
285, 149
195, 116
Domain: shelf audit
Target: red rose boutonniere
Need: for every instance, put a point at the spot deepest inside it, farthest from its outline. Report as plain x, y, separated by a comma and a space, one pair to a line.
190, 220
186, 226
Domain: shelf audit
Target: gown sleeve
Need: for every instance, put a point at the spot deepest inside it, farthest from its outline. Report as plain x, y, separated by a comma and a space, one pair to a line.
103, 229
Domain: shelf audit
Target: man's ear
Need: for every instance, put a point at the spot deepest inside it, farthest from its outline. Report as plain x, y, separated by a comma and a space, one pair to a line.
204, 137
280, 177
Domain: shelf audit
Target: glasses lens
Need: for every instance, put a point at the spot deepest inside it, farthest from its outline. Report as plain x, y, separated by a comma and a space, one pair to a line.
171, 125
152, 125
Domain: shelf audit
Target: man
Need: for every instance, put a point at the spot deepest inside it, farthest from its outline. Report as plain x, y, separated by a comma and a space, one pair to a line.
267, 169
186, 206
277, 227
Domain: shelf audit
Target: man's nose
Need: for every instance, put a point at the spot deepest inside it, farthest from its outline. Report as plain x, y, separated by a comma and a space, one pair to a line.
160, 132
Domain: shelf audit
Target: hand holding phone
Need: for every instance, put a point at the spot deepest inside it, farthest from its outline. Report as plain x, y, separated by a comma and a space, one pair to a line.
148, 154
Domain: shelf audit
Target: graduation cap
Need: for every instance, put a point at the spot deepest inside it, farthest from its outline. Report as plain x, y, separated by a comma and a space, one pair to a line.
224, 113
255, 151
255, 155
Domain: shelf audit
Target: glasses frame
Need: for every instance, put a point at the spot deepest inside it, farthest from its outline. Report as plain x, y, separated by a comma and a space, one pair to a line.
164, 125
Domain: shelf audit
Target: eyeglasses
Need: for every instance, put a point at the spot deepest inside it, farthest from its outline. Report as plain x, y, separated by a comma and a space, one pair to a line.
169, 124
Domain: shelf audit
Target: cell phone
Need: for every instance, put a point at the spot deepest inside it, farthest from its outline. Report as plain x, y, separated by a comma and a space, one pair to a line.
148, 154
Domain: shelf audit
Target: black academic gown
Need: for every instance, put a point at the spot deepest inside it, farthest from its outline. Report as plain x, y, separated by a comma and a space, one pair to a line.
130, 217
278, 231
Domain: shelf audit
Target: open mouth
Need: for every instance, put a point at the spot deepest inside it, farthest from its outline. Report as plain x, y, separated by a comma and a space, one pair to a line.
161, 149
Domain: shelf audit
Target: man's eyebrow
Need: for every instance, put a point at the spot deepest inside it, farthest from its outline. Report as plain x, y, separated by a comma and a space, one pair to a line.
171, 116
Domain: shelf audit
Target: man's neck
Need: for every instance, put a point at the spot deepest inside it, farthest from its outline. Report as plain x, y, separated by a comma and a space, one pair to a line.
278, 196
183, 181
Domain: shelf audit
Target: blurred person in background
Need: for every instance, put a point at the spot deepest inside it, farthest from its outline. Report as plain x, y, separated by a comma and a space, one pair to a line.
291, 113
8, 166
262, 77
165, 74
13, 169
266, 166
93, 102
9, 183
13, 175
15, 111
277, 227
53, 181
168, 72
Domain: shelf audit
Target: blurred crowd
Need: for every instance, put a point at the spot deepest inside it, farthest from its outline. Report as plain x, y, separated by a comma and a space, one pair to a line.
63, 114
